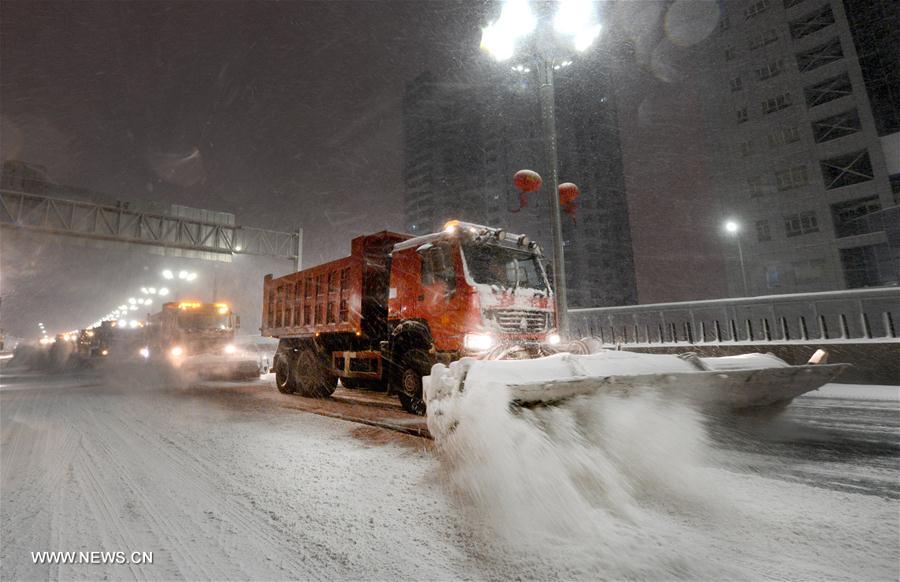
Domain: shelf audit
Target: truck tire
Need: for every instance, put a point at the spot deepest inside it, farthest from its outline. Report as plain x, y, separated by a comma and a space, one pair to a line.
285, 380
315, 379
412, 365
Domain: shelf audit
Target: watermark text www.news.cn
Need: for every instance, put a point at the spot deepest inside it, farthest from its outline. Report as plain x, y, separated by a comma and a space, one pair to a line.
94, 557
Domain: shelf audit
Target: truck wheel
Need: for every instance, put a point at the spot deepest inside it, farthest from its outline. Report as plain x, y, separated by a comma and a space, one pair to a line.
409, 381
284, 379
315, 379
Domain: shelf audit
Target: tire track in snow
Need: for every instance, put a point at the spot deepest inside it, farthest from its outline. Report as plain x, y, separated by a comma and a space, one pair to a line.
177, 464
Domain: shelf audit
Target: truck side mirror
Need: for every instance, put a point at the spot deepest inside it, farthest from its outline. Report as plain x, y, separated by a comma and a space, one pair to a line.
237, 321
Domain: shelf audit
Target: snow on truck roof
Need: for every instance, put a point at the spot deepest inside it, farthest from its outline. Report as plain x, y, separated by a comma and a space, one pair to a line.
454, 227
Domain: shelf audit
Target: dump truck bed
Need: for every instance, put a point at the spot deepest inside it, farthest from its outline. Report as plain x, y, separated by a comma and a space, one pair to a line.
348, 295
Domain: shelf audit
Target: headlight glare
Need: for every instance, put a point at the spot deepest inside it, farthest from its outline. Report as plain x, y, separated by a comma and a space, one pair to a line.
478, 342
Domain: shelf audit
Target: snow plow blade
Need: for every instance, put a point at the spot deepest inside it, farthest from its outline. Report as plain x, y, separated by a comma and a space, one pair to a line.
733, 390
724, 384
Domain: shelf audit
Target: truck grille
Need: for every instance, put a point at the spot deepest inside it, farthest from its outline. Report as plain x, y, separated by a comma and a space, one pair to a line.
522, 320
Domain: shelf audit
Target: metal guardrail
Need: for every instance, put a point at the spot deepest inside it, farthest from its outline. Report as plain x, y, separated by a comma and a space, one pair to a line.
102, 222
859, 314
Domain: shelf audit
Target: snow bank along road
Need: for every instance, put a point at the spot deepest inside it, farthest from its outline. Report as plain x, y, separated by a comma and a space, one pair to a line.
228, 481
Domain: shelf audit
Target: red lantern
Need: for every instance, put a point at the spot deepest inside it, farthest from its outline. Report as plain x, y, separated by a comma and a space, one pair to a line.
527, 181
568, 193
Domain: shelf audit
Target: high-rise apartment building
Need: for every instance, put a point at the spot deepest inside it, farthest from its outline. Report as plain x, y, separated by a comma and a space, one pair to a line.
464, 140
798, 101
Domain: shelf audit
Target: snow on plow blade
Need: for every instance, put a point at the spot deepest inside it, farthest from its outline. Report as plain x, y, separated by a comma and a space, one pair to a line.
714, 384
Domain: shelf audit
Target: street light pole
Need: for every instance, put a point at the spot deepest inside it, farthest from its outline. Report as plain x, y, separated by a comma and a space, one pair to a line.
548, 114
573, 27
733, 228
741, 258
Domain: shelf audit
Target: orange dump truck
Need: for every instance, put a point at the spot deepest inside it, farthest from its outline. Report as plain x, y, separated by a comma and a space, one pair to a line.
399, 304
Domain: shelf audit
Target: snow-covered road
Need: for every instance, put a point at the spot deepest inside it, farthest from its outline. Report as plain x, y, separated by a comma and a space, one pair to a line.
222, 481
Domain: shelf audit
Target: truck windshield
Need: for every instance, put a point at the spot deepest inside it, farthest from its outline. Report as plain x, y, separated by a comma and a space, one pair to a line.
504, 267
204, 321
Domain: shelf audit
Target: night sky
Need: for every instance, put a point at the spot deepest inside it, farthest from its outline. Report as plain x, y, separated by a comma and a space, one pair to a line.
287, 114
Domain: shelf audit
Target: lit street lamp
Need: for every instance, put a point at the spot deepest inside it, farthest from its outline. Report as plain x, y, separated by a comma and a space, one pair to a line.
574, 28
734, 229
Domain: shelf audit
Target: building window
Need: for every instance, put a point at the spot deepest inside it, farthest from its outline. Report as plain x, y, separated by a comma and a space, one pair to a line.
770, 70
828, 90
742, 115
755, 9
763, 233
801, 223
755, 186
847, 169
818, 56
791, 178
736, 84
784, 135
850, 217
812, 22
729, 53
761, 39
777, 103
836, 126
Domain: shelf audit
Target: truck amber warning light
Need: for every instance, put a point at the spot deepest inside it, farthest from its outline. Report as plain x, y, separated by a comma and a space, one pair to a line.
190, 305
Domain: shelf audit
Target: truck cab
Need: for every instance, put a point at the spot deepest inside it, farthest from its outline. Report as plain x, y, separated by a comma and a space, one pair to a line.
474, 287
189, 328
464, 291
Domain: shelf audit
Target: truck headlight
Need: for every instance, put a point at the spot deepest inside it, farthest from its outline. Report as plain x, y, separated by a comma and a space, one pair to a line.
553, 339
230, 349
177, 351
478, 342
145, 352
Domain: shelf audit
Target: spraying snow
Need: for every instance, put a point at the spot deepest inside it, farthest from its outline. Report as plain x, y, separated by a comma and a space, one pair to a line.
610, 487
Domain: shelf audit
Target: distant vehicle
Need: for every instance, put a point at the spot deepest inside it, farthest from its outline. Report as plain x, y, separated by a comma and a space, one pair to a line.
199, 337
398, 304
109, 341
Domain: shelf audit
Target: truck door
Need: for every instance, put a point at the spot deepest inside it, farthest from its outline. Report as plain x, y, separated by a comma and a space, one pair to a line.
438, 299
